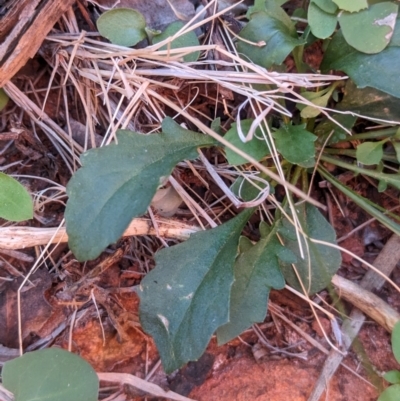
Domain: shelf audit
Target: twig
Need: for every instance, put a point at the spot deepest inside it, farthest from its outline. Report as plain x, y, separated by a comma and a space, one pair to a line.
24, 237
367, 302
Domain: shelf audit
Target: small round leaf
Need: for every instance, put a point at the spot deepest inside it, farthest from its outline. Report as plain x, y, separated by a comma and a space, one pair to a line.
186, 40
392, 393
322, 24
122, 26
15, 201
51, 374
393, 376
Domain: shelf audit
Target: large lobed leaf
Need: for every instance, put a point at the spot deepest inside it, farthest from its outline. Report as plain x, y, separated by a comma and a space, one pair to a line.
320, 262
256, 272
379, 70
117, 183
186, 297
279, 39
369, 102
296, 144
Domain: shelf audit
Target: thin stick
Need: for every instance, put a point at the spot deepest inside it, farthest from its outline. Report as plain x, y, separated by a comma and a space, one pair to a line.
25, 237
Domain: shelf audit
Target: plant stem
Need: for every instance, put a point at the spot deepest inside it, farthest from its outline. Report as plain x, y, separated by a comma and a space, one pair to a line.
392, 179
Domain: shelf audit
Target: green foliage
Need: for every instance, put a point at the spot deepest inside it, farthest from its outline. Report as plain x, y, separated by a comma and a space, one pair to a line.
328, 128
296, 144
117, 183
122, 26
320, 262
369, 31
50, 375
327, 6
3, 99
186, 40
247, 190
279, 40
370, 102
201, 286
186, 297
15, 202
319, 98
322, 23
256, 272
364, 203
370, 153
396, 341
375, 70
393, 376
352, 6
392, 393
257, 147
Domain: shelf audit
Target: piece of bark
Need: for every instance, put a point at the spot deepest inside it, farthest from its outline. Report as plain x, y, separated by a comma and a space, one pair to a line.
367, 302
32, 20
385, 263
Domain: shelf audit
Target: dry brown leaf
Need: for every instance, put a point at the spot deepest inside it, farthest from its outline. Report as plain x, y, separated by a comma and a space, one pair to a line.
34, 309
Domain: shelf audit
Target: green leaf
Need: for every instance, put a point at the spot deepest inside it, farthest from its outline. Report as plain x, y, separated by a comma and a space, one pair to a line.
392, 393
379, 71
320, 99
391, 179
369, 31
396, 341
369, 102
248, 189
326, 5
278, 38
296, 144
256, 272
325, 128
352, 6
322, 24
393, 376
257, 147
51, 374
15, 202
262, 5
273, 9
186, 297
370, 153
3, 99
118, 182
364, 203
396, 146
186, 40
122, 26
320, 262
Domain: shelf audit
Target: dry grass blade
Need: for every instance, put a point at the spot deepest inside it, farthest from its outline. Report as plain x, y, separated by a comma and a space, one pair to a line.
143, 385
